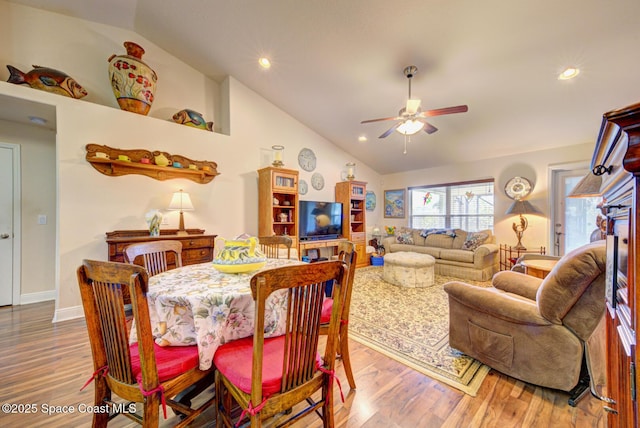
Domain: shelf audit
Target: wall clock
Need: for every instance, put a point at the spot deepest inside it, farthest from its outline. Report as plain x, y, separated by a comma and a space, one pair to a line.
303, 187
517, 188
317, 181
307, 159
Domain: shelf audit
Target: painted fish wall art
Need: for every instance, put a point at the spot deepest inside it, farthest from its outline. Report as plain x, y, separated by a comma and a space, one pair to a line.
192, 118
47, 79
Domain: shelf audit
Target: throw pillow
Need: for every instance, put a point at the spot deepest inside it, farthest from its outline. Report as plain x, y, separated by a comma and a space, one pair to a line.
474, 240
404, 238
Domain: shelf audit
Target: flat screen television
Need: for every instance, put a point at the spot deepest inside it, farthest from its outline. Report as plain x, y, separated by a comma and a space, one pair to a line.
319, 220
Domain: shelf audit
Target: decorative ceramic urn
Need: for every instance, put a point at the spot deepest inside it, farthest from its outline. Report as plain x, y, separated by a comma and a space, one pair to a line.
133, 82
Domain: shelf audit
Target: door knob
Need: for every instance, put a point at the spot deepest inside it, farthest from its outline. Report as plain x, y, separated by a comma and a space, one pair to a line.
4, 236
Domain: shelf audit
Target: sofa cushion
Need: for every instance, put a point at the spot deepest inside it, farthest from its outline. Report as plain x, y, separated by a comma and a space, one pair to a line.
461, 236
440, 241
474, 240
457, 255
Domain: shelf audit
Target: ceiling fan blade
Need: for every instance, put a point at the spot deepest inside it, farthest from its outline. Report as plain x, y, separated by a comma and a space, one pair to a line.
429, 128
446, 110
412, 106
390, 130
382, 119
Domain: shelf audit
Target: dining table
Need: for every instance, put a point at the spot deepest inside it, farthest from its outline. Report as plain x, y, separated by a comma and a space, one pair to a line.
200, 305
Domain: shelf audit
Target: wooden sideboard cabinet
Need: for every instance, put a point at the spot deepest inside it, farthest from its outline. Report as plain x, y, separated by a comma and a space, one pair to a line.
197, 247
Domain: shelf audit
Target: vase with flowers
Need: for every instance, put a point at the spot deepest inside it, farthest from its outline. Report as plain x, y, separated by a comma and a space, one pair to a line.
153, 218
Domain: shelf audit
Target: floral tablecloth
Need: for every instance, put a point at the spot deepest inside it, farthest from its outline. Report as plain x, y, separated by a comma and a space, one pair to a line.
197, 304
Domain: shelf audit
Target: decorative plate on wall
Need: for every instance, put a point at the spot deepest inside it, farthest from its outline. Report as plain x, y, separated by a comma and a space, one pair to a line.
303, 187
307, 159
370, 201
517, 188
317, 181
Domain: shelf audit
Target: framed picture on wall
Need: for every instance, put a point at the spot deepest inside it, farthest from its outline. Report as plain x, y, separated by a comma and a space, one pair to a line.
394, 203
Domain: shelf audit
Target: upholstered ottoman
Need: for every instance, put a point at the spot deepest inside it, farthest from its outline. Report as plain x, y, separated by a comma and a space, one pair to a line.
407, 269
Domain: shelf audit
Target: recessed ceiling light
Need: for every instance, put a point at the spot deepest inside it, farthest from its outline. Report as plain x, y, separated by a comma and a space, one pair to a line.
37, 120
569, 73
264, 63
362, 138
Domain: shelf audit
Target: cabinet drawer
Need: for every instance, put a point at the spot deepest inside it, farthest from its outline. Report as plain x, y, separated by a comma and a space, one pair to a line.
188, 243
197, 255
312, 244
358, 237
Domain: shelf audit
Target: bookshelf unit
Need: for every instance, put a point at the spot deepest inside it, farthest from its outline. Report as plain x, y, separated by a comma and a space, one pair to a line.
354, 226
278, 202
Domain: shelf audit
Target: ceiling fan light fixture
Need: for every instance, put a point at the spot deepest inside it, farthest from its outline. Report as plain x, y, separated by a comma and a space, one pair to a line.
410, 127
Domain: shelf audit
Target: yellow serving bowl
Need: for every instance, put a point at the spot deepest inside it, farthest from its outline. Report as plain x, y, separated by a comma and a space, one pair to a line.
240, 267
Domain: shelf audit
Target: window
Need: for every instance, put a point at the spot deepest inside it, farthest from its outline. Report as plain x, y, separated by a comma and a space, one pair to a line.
467, 206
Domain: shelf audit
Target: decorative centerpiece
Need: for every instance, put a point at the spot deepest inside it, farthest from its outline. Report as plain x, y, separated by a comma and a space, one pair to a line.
133, 82
154, 218
239, 255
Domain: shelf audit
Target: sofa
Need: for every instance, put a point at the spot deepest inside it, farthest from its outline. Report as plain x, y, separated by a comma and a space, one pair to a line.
458, 253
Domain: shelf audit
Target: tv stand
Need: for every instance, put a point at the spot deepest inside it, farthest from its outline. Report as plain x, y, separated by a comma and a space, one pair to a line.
318, 244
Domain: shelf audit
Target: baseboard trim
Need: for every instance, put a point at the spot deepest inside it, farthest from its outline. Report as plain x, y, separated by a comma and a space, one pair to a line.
42, 296
66, 314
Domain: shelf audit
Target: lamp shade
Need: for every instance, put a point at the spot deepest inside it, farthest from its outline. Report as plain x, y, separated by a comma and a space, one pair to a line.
181, 202
588, 187
522, 207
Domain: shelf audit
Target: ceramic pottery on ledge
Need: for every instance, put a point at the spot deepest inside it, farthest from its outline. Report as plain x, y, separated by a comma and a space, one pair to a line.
133, 82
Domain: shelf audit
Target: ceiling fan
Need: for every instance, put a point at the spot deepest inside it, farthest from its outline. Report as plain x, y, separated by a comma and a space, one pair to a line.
411, 117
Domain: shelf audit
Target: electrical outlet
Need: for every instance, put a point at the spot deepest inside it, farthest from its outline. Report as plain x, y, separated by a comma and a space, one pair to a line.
42, 219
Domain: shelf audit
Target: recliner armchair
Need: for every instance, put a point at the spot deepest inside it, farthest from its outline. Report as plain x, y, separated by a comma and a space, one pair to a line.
536, 330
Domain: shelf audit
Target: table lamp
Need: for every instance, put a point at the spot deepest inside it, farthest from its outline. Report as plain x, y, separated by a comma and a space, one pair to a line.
521, 207
181, 202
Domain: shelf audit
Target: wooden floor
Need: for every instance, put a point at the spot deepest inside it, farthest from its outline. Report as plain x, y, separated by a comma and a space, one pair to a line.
43, 365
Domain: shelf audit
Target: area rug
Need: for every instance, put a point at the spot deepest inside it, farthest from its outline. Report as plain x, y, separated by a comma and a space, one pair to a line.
411, 325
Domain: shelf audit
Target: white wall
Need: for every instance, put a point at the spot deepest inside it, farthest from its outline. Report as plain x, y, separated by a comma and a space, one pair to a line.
533, 165
89, 203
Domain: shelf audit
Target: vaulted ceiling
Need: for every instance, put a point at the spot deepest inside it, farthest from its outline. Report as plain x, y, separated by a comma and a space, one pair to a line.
336, 63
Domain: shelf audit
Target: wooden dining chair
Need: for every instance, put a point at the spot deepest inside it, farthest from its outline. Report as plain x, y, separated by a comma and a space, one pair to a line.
142, 372
155, 256
268, 376
274, 246
347, 254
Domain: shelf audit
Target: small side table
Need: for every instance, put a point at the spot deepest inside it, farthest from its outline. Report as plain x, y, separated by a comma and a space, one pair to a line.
509, 255
538, 268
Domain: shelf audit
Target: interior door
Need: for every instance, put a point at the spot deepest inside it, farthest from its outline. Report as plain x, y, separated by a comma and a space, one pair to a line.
575, 219
6, 226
